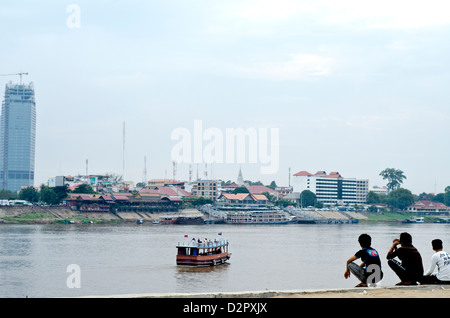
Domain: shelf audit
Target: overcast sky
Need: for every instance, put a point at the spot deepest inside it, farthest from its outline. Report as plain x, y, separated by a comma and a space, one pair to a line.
352, 87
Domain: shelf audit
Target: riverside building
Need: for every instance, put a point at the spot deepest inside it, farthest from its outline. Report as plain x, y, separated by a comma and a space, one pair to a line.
205, 188
17, 137
332, 188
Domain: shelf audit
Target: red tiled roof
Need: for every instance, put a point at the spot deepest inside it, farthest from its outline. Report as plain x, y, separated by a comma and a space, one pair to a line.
334, 175
184, 192
303, 173
235, 196
243, 196
167, 191
429, 204
233, 185
121, 197
260, 197
152, 191
258, 189
106, 198
85, 197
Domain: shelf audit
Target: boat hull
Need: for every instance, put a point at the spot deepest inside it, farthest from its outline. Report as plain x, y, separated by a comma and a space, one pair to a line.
203, 260
258, 223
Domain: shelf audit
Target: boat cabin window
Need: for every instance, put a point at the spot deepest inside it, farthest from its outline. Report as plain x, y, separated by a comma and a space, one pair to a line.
189, 251
184, 251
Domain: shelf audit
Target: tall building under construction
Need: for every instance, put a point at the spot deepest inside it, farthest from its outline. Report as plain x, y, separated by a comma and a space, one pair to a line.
17, 137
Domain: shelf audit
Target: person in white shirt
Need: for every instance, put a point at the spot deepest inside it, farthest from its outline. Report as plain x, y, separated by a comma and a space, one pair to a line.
441, 259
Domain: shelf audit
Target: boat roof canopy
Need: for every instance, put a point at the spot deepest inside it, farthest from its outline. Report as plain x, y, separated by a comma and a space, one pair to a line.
207, 244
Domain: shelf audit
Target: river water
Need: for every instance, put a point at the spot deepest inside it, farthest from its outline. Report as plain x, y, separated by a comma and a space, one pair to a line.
134, 259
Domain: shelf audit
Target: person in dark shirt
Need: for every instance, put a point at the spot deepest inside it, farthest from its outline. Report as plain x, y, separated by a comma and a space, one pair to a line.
369, 272
410, 270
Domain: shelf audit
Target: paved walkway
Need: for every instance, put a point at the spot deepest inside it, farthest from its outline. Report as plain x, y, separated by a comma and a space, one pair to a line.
425, 291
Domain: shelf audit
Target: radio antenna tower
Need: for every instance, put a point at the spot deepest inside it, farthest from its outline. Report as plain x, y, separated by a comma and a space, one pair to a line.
145, 170
190, 174
289, 175
174, 169
123, 153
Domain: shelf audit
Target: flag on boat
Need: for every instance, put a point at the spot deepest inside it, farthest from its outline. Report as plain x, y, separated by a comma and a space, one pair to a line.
220, 233
185, 235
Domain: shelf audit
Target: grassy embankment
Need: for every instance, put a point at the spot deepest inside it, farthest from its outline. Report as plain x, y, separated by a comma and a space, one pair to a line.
46, 215
42, 217
396, 217
28, 218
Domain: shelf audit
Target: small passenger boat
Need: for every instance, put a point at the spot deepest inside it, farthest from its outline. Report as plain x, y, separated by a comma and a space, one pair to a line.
414, 220
204, 253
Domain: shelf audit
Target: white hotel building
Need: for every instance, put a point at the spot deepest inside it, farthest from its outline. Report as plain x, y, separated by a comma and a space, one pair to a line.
332, 188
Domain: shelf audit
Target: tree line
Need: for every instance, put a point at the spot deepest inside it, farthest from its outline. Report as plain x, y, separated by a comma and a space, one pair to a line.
400, 198
45, 194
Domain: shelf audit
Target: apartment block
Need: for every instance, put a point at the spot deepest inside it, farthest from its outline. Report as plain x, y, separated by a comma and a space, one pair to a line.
205, 188
332, 188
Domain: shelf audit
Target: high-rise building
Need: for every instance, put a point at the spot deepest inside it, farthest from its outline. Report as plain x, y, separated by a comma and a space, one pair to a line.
17, 137
332, 188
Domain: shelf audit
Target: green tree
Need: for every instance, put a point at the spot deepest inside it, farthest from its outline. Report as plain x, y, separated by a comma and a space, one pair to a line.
7, 195
272, 185
140, 185
48, 195
319, 204
400, 198
394, 177
282, 203
307, 198
426, 196
249, 182
201, 201
84, 188
439, 198
270, 197
61, 192
29, 194
373, 198
241, 190
447, 196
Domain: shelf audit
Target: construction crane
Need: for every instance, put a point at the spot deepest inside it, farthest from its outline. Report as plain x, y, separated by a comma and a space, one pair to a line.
20, 74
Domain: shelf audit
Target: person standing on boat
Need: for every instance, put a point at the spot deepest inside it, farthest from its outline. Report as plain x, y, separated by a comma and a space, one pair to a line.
410, 270
441, 259
369, 272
